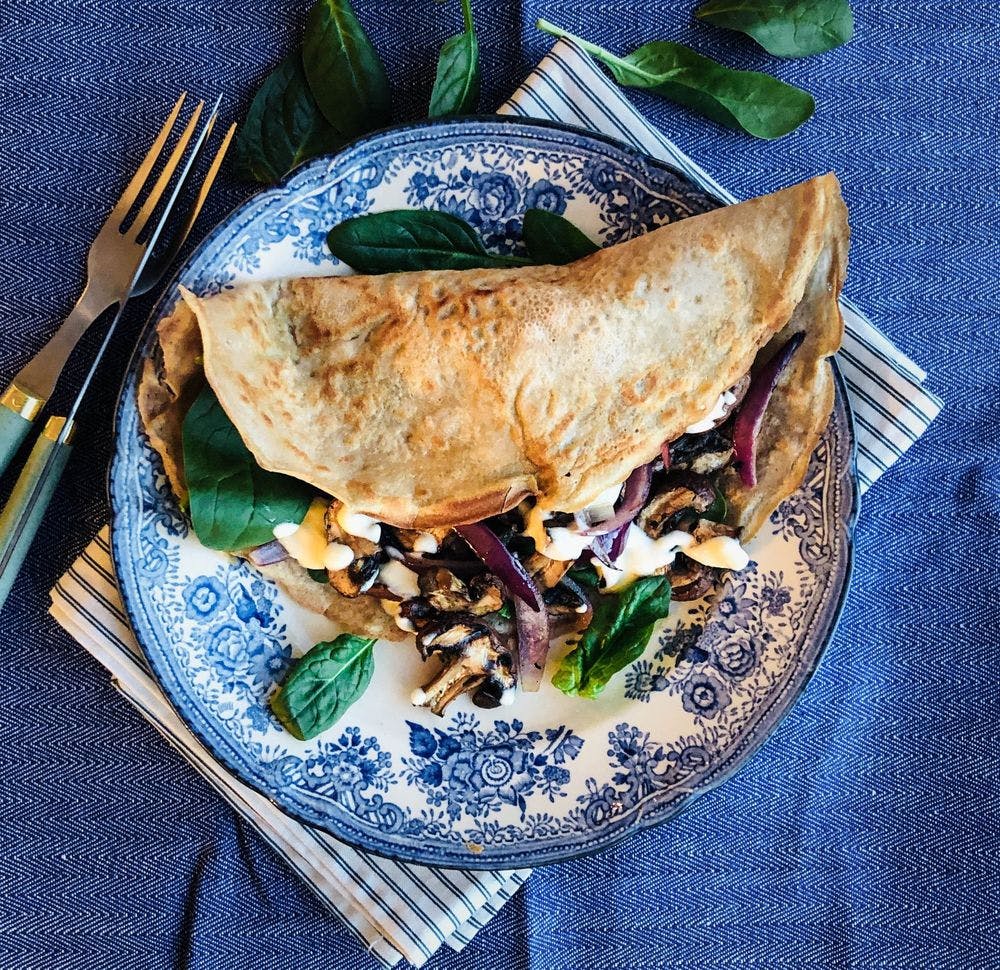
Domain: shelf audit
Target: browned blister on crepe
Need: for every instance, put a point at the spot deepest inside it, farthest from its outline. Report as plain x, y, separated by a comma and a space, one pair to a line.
436, 398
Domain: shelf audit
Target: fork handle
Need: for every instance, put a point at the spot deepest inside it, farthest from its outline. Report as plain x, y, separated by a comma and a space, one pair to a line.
18, 410
20, 519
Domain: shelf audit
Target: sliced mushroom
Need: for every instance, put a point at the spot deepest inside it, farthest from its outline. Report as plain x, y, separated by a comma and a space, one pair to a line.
682, 492
361, 575
547, 571
419, 612
707, 529
449, 594
413, 539
474, 658
568, 608
701, 453
689, 580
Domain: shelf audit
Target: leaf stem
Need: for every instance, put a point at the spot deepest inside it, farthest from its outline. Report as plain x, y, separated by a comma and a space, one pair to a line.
555, 31
470, 27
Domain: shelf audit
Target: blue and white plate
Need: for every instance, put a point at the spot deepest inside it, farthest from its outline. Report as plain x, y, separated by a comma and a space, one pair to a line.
552, 777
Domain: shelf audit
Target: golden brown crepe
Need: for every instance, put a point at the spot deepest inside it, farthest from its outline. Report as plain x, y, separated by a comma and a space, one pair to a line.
437, 398
444, 397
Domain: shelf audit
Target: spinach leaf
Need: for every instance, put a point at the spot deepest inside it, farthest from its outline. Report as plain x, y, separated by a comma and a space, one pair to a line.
345, 73
284, 126
323, 683
757, 103
456, 86
553, 240
719, 508
320, 576
411, 239
235, 504
585, 576
785, 28
618, 635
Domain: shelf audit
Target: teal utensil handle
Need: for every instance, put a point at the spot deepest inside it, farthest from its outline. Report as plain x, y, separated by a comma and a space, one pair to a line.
25, 509
17, 411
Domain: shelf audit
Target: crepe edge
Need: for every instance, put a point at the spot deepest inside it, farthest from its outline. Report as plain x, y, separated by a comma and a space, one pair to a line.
170, 379
800, 408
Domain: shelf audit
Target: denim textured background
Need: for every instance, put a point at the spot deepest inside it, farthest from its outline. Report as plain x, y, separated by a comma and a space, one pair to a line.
864, 834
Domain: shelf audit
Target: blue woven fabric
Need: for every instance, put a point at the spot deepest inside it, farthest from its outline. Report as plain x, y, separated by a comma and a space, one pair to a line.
865, 832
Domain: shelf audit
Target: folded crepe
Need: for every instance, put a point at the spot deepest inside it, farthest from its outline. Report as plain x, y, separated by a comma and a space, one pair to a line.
440, 398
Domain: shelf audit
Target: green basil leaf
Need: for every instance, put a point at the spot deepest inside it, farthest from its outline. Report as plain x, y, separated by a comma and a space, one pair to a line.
284, 126
618, 635
410, 239
585, 576
552, 240
719, 508
235, 504
757, 103
456, 86
320, 576
792, 28
323, 683
345, 73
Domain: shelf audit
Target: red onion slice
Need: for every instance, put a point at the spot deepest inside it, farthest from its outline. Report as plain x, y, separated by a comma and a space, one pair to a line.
502, 563
746, 427
268, 554
532, 644
633, 499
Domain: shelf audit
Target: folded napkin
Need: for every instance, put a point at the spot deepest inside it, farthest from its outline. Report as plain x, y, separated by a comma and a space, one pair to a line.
404, 911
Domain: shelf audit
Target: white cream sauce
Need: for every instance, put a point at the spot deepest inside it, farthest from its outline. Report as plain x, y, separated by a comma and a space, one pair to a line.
358, 524
398, 579
726, 400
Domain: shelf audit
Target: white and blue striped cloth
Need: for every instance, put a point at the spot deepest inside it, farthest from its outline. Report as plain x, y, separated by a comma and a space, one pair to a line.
401, 911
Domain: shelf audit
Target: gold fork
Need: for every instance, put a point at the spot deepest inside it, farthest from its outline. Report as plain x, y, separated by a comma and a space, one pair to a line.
118, 266
112, 266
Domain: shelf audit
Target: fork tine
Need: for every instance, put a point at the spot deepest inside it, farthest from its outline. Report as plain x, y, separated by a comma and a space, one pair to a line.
151, 201
154, 269
131, 192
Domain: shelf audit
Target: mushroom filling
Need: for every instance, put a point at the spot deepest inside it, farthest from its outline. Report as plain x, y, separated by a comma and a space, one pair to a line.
463, 616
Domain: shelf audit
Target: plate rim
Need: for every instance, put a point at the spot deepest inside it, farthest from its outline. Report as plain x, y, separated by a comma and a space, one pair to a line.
469, 860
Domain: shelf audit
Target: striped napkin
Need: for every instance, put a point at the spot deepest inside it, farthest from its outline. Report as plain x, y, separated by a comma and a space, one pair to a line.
401, 911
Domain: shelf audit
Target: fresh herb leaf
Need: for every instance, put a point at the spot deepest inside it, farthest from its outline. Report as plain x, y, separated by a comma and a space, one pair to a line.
345, 73
719, 508
411, 239
585, 576
284, 127
323, 683
235, 504
456, 86
320, 576
618, 635
785, 28
757, 103
552, 240
505, 612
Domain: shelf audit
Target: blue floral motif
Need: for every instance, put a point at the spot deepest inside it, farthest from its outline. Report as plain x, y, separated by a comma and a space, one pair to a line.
546, 195
703, 695
494, 197
204, 597
736, 657
476, 772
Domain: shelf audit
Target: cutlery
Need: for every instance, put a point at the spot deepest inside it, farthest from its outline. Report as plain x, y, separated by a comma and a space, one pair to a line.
112, 261
119, 265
